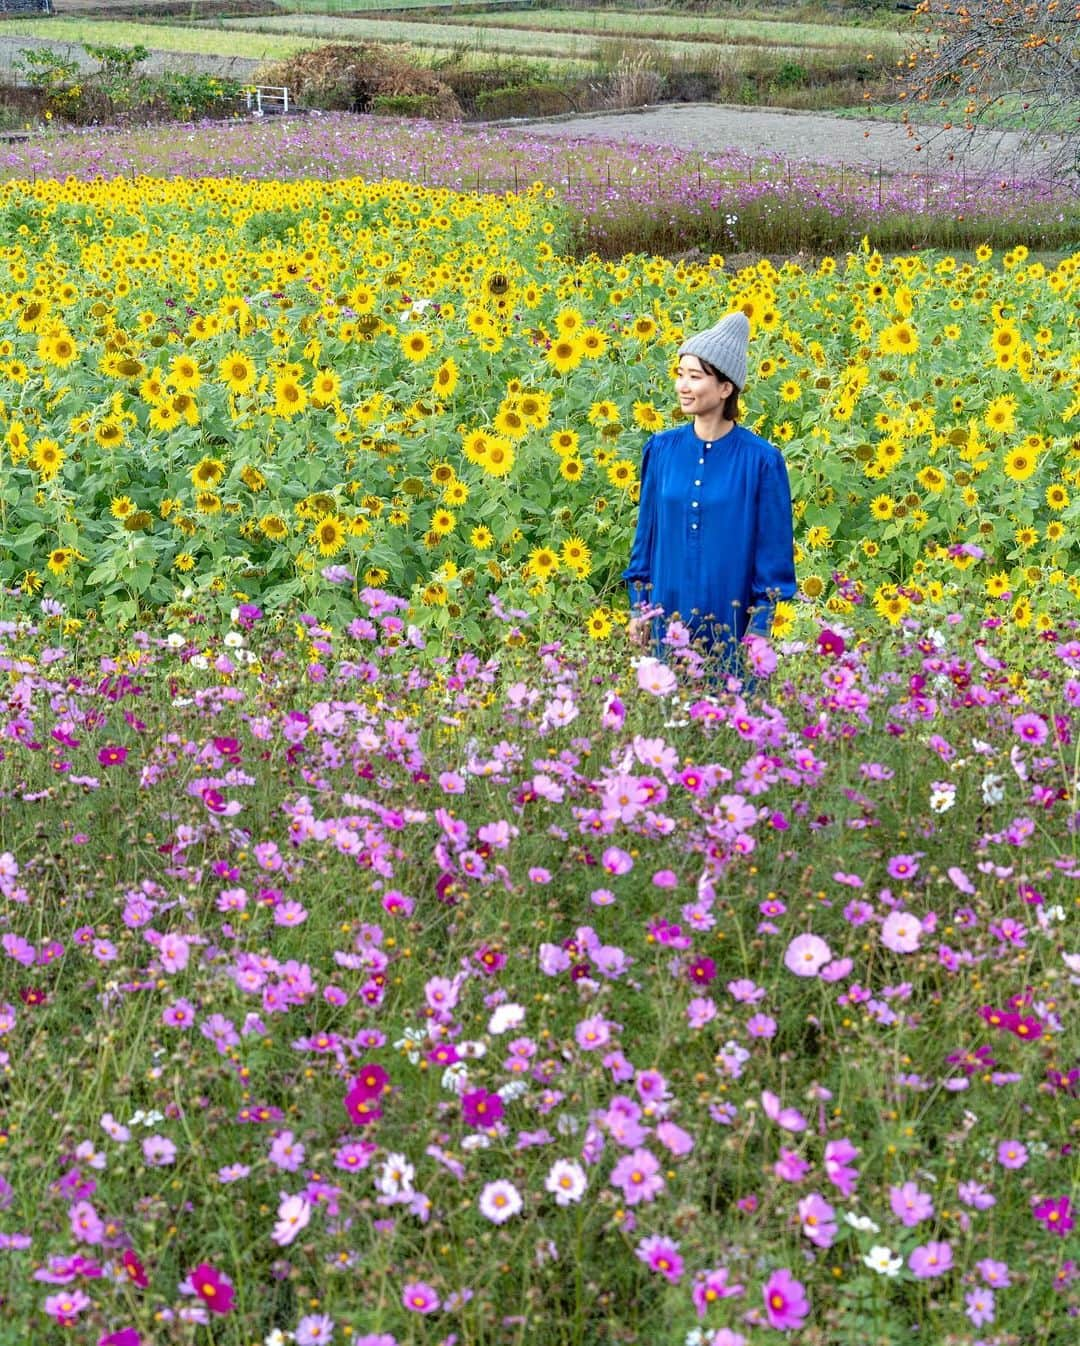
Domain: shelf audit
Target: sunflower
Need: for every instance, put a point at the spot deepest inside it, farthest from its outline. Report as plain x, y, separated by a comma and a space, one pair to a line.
329, 534
184, 561
930, 479
475, 445
456, 493
60, 559
543, 563
790, 391
121, 506
274, 526
237, 372
646, 417
1019, 464
109, 434
571, 468
1001, 414
47, 458
598, 624
482, 538
576, 556
565, 442
184, 374
207, 473
289, 397
622, 473
208, 502
510, 422
499, 458
252, 478
882, 507
783, 620
164, 417
442, 522
326, 388
564, 355
1057, 497
593, 343
446, 379
416, 346
998, 584
899, 339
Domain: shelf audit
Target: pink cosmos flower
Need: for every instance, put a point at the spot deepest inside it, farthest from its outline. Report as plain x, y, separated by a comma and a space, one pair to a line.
66, 1306
419, 1297
909, 1205
980, 1306
127, 1336
712, 1286
930, 1259
806, 955
638, 1176
818, 1220
785, 1301
1031, 728
655, 677
479, 1108
213, 1288
662, 1255
1012, 1154
112, 755
791, 1119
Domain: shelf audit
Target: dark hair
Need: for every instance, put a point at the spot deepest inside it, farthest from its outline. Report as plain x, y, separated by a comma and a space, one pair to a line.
731, 402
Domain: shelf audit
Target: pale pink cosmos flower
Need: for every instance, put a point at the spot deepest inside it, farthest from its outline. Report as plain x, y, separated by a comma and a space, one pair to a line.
500, 1201
901, 932
806, 955
293, 1216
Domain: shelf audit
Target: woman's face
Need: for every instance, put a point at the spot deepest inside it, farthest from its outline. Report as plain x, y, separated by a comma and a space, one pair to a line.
700, 393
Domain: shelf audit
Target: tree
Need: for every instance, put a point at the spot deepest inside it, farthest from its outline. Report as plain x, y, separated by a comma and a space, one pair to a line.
1005, 62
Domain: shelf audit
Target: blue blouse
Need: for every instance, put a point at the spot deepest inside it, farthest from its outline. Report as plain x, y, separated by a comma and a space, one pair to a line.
714, 540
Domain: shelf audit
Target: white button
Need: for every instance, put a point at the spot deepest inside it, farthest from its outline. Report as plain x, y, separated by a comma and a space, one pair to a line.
701, 462
697, 483
693, 525
693, 504
709, 445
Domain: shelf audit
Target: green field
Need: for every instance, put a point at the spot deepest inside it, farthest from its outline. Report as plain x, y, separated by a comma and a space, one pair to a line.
487, 37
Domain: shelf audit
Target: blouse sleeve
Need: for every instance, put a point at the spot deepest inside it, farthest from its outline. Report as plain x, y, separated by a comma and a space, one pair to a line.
638, 573
774, 556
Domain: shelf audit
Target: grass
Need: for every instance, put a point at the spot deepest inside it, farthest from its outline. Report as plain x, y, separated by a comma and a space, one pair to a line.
698, 28
490, 37
1009, 114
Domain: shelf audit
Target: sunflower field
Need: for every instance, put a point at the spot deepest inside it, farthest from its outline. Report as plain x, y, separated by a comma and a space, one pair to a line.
234, 387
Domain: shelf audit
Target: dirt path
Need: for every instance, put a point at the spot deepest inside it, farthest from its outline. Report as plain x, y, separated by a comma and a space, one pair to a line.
812, 137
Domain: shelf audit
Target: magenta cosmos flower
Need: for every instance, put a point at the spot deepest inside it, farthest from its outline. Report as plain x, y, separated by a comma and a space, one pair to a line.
1056, 1214
212, 1287
785, 1301
662, 1255
112, 755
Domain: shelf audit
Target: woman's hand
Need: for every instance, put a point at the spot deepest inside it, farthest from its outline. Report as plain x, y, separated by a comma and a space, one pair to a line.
637, 632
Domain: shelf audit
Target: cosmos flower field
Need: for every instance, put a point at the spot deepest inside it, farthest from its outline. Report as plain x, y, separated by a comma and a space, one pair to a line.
391, 955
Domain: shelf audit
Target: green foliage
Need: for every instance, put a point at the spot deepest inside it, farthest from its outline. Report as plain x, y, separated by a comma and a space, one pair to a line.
44, 69
403, 105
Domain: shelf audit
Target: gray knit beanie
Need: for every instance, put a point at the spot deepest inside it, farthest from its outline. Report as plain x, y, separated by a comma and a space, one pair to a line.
723, 347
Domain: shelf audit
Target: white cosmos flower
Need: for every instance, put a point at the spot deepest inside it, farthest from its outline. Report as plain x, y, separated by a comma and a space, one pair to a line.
506, 1017
883, 1262
862, 1223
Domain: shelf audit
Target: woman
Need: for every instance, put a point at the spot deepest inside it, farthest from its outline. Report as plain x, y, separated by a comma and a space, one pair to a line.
714, 543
